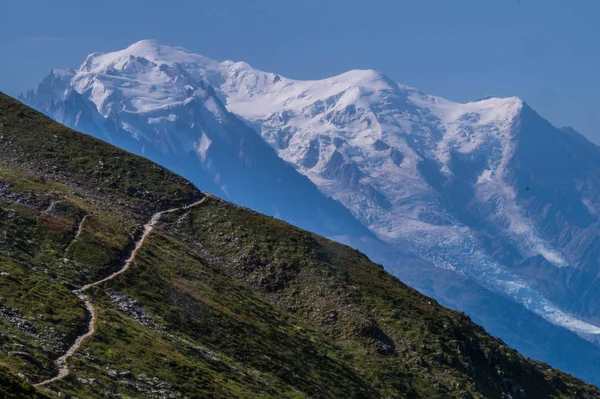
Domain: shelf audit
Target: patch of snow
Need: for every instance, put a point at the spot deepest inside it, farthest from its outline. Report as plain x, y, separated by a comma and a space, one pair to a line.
203, 145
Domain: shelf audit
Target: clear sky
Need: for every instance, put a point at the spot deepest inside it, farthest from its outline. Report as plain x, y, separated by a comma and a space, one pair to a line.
544, 51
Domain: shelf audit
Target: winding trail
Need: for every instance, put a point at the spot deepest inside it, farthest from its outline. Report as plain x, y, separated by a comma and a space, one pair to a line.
51, 206
78, 234
47, 210
61, 362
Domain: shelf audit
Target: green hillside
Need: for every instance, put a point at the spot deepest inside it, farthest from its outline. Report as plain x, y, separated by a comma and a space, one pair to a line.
218, 302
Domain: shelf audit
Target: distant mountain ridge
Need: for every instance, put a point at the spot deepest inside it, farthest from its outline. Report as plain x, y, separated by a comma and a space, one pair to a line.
469, 188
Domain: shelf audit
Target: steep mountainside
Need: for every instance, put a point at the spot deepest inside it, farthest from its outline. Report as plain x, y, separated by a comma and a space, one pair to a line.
208, 299
12, 387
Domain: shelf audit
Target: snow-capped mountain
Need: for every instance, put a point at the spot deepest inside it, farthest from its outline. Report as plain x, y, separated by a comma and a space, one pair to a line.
485, 197
165, 113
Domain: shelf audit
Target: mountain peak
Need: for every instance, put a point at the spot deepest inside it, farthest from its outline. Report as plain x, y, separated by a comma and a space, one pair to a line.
149, 43
368, 79
151, 50
63, 73
364, 75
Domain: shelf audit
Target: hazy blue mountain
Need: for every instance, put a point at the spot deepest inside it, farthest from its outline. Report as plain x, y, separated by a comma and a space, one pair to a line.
191, 132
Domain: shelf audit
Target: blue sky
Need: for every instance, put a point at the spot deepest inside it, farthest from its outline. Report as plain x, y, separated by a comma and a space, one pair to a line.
545, 51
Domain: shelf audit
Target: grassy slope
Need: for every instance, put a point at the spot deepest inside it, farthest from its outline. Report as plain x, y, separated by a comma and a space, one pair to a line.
50, 179
12, 387
221, 302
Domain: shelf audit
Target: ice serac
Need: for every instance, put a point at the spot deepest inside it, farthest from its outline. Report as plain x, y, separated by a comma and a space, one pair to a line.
483, 205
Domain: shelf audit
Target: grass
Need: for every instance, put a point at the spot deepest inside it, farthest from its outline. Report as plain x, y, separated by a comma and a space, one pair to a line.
12, 387
221, 301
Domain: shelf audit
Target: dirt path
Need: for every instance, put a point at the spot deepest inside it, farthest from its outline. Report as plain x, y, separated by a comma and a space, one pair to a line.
61, 362
47, 210
51, 206
78, 234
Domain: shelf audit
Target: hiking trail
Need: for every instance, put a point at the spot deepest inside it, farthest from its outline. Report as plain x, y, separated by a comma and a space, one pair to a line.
61, 362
